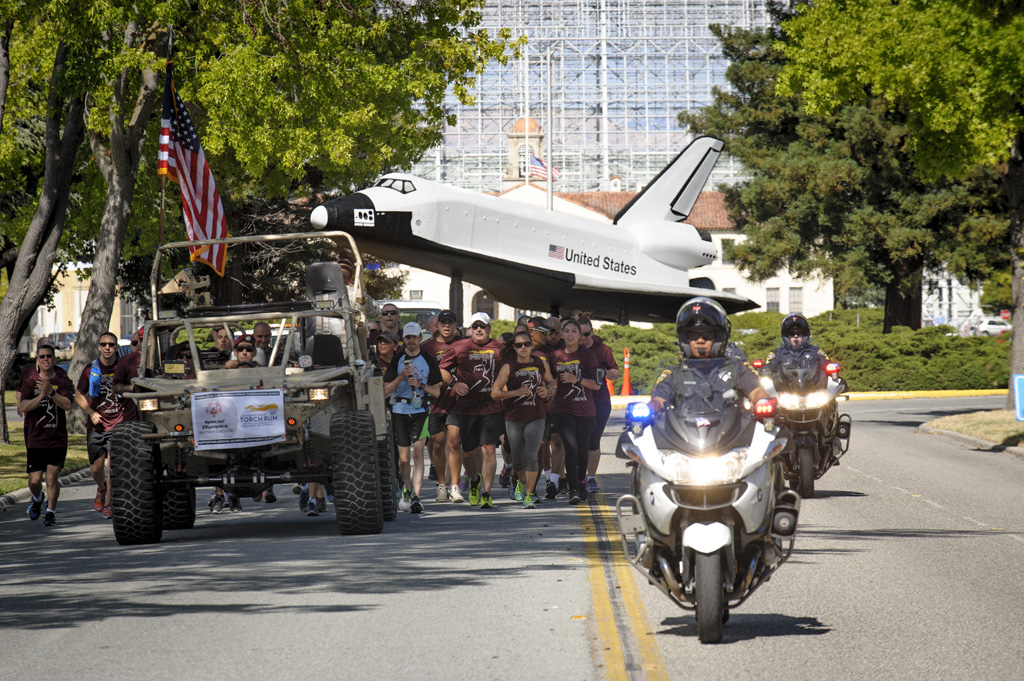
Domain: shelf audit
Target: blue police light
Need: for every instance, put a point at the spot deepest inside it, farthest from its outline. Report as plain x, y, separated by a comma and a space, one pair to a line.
639, 412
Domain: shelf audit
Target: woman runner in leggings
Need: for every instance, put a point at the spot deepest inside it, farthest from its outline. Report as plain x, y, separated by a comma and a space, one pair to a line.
523, 383
572, 412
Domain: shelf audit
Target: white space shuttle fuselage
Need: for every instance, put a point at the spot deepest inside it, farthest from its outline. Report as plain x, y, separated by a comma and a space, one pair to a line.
532, 258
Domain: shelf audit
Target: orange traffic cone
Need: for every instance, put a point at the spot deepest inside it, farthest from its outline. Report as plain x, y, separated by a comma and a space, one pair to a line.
611, 386
627, 387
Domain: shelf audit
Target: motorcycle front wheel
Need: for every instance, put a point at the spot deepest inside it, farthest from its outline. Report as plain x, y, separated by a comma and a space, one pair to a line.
805, 464
710, 597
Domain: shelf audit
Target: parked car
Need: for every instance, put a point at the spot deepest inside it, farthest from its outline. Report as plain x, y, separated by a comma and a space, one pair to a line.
992, 327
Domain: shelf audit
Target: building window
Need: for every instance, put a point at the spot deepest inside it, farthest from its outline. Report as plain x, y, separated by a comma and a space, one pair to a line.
772, 299
524, 160
727, 245
796, 299
415, 295
483, 302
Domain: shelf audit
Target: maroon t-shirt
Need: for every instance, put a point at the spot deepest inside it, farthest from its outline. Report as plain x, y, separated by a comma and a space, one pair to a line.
573, 398
46, 425
113, 409
127, 368
605, 359
446, 400
528, 407
476, 366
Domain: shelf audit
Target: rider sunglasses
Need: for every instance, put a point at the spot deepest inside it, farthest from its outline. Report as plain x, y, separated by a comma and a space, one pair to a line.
523, 345
700, 335
796, 334
108, 345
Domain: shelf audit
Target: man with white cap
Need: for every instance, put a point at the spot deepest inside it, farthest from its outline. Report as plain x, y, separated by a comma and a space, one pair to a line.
412, 379
469, 368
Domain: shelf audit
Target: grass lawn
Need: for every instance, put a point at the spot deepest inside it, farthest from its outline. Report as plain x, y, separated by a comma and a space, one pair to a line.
1000, 426
12, 459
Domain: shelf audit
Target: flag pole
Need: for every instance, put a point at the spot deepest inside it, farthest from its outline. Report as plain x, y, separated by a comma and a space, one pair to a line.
154, 279
547, 153
526, 118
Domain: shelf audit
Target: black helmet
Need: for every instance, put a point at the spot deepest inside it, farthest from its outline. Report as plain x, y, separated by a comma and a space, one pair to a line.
703, 314
795, 322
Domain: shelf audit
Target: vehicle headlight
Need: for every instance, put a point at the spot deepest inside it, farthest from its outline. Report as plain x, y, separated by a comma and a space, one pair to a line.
789, 401
817, 399
149, 405
319, 394
704, 470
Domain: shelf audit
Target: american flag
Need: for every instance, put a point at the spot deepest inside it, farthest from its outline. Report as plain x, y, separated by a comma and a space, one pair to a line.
556, 252
181, 158
538, 169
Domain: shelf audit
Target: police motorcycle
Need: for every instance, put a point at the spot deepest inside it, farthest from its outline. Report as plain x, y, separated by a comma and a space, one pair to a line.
707, 520
808, 395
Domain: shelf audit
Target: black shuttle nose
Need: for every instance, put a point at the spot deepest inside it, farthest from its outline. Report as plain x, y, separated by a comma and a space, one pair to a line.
345, 213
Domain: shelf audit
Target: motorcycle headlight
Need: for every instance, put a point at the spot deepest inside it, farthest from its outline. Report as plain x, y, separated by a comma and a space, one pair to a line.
816, 399
789, 401
704, 470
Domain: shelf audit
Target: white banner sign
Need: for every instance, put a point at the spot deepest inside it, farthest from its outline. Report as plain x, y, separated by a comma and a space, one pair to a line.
242, 418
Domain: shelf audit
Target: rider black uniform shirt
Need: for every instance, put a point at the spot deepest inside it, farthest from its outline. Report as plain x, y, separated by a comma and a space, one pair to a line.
783, 355
706, 379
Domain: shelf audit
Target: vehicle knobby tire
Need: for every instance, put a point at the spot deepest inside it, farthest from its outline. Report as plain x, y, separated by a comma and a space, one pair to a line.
355, 472
135, 499
805, 469
179, 506
386, 461
710, 594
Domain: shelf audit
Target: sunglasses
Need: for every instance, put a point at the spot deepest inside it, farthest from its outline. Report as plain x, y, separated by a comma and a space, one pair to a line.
388, 313
586, 334
523, 345
108, 345
479, 325
44, 356
244, 348
262, 335
700, 335
135, 342
796, 334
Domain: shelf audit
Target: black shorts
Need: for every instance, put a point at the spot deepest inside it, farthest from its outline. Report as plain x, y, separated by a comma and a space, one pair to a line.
39, 458
437, 423
602, 411
452, 421
476, 430
407, 427
97, 443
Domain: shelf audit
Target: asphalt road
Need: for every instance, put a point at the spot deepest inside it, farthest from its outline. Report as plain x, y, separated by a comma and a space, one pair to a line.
905, 568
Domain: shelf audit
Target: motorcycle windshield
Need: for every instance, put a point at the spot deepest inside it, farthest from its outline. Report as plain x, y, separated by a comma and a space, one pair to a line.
709, 432
800, 373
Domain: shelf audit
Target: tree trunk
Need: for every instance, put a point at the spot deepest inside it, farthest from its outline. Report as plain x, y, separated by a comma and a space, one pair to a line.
30, 278
5, 75
903, 298
120, 167
1013, 181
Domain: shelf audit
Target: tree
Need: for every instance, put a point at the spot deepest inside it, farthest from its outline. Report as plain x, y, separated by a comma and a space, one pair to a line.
954, 68
836, 194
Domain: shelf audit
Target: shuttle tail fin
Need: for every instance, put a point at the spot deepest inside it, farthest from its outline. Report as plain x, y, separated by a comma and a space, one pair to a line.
673, 192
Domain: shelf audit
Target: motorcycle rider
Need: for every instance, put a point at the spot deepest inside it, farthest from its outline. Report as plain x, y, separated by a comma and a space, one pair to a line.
703, 330
796, 340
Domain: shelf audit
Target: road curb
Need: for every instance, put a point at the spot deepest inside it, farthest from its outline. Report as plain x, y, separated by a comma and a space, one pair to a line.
21, 496
971, 440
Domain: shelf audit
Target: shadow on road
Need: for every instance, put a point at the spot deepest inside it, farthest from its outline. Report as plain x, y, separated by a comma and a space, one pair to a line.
742, 627
835, 493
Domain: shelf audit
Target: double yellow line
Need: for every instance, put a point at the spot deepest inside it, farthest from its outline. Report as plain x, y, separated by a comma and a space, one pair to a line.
629, 647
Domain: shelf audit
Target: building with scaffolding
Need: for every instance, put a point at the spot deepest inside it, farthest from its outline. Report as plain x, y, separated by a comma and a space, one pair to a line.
605, 79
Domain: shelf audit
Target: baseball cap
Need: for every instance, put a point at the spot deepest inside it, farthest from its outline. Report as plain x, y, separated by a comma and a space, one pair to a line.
245, 338
412, 329
45, 342
538, 323
480, 317
447, 316
138, 334
388, 336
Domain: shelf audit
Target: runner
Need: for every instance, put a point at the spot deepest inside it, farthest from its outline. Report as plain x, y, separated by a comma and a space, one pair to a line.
602, 399
442, 426
412, 377
572, 414
469, 368
524, 381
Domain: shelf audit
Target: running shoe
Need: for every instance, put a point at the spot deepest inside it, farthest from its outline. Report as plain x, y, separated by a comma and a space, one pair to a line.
563, 486
108, 512
270, 497
406, 503
50, 519
321, 504
97, 503
416, 506
485, 500
474, 492
454, 495
217, 503
432, 475
551, 491
234, 503
303, 498
442, 493
581, 492
528, 501
574, 498
520, 490
592, 485
505, 477
35, 508
464, 483
311, 509
258, 497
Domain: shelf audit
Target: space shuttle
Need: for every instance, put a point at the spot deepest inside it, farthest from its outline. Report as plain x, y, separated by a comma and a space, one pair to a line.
635, 269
